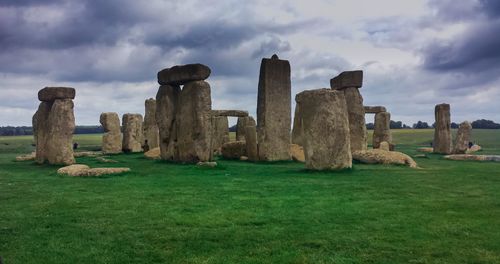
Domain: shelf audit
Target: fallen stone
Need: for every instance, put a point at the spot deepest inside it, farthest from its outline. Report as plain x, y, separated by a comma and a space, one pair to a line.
49, 94
182, 74
209, 164
274, 109
234, 149
374, 109
326, 129
474, 148
420, 156
425, 149
87, 154
235, 113
153, 154
463, 138
378, 156
297, 153
243, 158
442, 129
26, 157
473, 157
80, 170
347, 79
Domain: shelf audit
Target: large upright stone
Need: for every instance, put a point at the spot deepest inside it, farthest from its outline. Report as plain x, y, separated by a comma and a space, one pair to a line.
53, 125
357, 123
463, 138
49, 94
112, 137
167, 102
347, 79
220, 132
382, 130
274, 109
251, 142
182, 74
132, 133
325, 126
297, 133
442, 129
241, 125
193, 121
151, 132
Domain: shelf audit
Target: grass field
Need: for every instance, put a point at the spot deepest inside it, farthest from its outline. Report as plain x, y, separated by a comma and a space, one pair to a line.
240, 212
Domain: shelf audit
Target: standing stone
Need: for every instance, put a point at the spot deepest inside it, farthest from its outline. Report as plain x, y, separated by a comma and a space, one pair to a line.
112, 137
274, 109
297, 126
251, 142
193, 121
382, 130
132, 133
442, 129
220, 132
348, 82
325, 126
463, 138
151, 132
241, 125
53, 126
167, 101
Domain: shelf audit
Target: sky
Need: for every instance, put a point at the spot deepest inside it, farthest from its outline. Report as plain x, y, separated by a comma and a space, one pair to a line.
414, 53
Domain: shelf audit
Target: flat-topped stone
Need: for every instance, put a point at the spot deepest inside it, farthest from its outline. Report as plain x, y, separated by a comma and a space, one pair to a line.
182, 74
347, 79
236, 113
374, 109
49, 94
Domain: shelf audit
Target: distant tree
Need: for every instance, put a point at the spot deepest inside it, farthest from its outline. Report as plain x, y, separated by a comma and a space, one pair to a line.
406, 126
370, 126
421, 125
396, 124
486, 124
454, 125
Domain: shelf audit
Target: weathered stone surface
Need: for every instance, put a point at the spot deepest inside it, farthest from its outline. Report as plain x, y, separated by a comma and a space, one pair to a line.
425, 149
112, 137
80, 170
297, 132
208, 164
473, 157
463, 138
442, 129
347, 79
237, 113
241, 125
356, 114
234, 149
105, 160
297, 153
274, 109
379, 156
384, 145
193, 121
87, 154
53, 125
382, 130
132, 132
167, 102
153, 154
220, 132
182, 74
474, 148
374, 109
26, 157
49, 94
251, 142
151, 131
326, 129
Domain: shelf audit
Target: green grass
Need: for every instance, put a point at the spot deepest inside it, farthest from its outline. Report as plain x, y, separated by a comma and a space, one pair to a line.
239, 212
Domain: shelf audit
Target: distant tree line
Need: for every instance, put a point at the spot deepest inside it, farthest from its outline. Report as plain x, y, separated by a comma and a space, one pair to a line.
25, 130
478, 124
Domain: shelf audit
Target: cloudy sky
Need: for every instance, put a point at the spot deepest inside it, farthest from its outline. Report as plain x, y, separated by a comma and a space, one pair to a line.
414, 53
